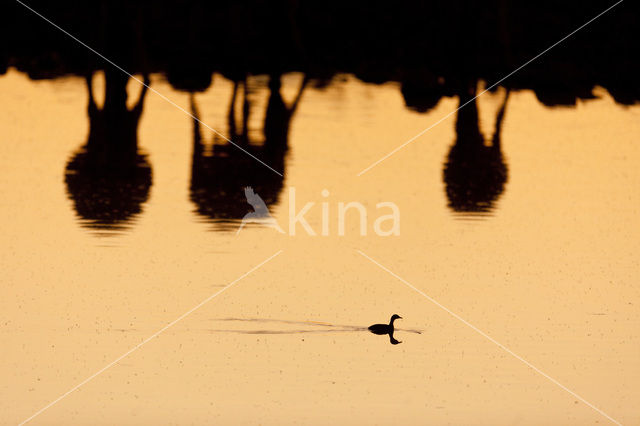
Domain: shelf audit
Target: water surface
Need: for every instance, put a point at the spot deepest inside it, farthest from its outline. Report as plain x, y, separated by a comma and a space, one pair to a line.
544, 261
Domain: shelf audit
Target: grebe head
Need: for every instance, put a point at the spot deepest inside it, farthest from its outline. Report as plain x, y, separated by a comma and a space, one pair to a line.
395, 317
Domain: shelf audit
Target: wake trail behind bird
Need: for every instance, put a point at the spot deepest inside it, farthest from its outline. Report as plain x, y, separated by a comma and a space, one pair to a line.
332, 327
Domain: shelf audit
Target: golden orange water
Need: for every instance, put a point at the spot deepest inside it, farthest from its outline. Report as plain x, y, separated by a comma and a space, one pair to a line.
552, 273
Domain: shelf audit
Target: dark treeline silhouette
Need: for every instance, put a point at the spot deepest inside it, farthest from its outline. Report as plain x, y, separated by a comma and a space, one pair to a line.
432, 48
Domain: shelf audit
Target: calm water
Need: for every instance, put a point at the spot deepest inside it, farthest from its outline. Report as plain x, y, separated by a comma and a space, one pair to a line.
549, 268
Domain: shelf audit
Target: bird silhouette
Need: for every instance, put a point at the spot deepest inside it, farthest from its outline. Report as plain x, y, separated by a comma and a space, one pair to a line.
382, 329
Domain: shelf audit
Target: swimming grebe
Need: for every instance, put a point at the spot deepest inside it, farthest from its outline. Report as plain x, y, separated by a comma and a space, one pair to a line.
386, 329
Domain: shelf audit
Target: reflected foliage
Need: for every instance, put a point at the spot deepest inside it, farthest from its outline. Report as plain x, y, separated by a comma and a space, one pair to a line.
432, 49
475, 171
220, 171
108, 180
